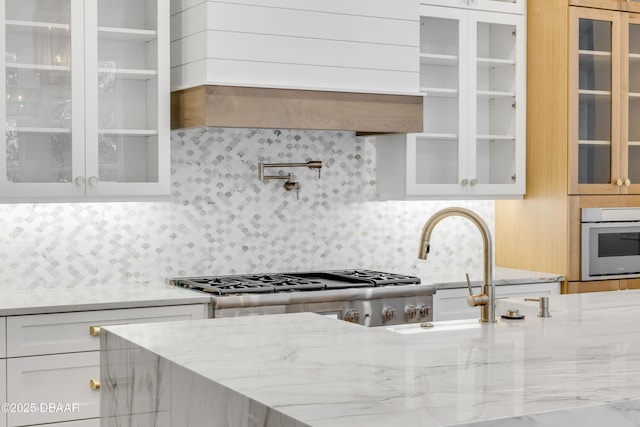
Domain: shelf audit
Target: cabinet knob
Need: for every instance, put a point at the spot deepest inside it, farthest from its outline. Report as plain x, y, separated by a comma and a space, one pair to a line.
464, 182
94, 384
93, 180
80, 180
94, 331
473, 181
618, 182
627, 181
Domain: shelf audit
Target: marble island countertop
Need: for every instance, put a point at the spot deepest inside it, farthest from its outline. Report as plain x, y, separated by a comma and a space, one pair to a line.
37, 301
579, 367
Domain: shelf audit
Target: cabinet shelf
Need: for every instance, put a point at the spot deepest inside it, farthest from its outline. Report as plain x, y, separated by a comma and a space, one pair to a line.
127, 34
600, 53
29, 26
128, 132
435, 59
494, 62
594, 92
41, 130
634, 143
39, 67
495, 137
593, 142
431, 135
495, 94
438, 91
129, 74
634, 94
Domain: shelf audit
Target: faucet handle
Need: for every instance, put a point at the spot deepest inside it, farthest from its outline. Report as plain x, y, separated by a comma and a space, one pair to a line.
475, 300
469, 285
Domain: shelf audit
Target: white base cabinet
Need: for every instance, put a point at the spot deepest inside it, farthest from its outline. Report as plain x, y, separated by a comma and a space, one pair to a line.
55, 359
451, 304
57, 386
3, 390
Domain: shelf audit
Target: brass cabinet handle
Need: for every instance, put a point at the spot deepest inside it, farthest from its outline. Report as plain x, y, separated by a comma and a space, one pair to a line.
618, 182
94, 331
627, 181
94, 384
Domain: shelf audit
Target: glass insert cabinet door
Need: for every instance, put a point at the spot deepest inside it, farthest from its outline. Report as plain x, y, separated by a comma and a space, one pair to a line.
594, 85
127, 119
42, 110
630, 70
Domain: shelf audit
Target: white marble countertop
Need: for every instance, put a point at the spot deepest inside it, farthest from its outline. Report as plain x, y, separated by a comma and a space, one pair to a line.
508, 276
579, 367
37, 301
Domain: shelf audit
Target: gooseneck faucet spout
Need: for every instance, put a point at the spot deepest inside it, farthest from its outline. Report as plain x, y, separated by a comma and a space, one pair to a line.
486, 300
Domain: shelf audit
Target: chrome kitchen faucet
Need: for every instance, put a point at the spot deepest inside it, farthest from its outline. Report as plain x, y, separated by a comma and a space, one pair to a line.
487, 299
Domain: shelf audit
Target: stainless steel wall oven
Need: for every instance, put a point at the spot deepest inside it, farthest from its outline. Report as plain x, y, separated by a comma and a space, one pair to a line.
610, 243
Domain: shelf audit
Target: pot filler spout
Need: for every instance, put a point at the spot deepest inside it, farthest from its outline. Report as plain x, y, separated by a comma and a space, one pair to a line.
486, 300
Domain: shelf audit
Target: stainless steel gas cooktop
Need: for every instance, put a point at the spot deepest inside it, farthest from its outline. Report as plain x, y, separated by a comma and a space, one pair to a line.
371, 298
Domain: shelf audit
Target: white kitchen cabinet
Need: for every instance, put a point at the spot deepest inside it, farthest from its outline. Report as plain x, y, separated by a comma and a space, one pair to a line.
355, 46
506, 6
40, 334
53, 357
59, 379
451, 304
3, 390
86, 84
472, 72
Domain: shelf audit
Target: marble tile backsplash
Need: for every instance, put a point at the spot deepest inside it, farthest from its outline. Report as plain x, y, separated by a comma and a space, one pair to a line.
220, 219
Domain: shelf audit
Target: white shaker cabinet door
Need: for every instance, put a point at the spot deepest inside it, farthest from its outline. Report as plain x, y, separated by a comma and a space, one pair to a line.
3, 390
41, 334
62, 380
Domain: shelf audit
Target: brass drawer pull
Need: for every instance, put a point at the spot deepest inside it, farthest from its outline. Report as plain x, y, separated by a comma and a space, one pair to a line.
95, 385
94, 331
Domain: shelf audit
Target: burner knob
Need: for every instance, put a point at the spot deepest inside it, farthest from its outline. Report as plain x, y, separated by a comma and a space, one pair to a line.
411, 311
424, 310
352, 316
389, 313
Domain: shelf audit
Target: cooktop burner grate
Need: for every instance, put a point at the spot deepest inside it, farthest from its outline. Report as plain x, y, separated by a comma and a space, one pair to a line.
294, 282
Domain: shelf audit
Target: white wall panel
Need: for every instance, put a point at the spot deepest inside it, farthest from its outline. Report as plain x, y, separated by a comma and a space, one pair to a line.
394, 9
359, 45
293, 23
288, 76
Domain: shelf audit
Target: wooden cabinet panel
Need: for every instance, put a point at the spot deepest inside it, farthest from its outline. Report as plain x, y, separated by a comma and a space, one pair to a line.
59, 379
598, 4
68, 332
630, 284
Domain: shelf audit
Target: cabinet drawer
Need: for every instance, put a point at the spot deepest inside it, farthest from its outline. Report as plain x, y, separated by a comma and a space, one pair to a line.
70, 332
92, 422
3, 390
57, 379
3, 337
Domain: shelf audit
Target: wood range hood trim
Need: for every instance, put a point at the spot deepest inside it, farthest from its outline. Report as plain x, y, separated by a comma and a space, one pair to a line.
254, 107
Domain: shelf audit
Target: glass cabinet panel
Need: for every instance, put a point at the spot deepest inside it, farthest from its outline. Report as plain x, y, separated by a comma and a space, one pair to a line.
495, 137
127, 76
38, 98
437, 149
594, 101
633, 165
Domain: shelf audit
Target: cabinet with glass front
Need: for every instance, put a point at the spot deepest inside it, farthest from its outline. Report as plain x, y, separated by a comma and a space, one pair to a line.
604, 111
472, 73
86, 91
